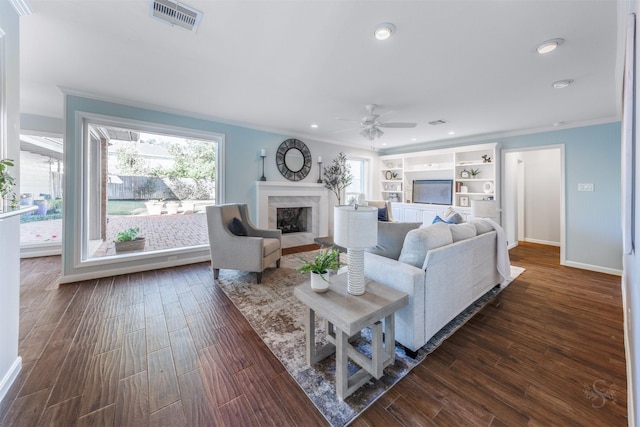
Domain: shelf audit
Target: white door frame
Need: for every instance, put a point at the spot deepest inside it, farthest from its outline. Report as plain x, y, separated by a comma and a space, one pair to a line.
563, 216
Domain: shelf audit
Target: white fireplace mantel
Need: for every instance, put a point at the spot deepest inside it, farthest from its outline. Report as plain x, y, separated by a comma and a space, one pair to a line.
277, 193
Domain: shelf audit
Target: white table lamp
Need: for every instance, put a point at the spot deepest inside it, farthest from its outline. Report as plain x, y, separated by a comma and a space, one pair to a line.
484, 209
355, 228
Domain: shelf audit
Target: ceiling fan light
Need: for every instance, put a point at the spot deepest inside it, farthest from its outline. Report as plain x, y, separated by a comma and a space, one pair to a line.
549, 46
384, 31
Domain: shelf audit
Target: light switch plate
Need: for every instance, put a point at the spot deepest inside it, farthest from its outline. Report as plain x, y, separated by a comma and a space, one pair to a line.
585, 187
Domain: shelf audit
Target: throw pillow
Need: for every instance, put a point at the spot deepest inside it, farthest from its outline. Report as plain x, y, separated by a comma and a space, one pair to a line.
462, 231
419, 242
237, 227
382, 214
437, 219
391, 236
453, 219
452, 216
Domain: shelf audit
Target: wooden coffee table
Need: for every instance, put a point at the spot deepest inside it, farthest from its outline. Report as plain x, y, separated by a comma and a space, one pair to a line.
346, 316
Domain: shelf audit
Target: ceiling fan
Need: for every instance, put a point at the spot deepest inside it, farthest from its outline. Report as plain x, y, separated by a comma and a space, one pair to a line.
370, 124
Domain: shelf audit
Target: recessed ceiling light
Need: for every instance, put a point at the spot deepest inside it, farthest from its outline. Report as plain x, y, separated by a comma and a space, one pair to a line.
414, 139
549, 46
315, 126
384, 31
384, 144
561, 84
452, 133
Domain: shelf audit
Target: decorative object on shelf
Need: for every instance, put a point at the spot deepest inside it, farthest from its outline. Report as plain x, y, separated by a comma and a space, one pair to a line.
464, 201
465, 174
356, 228
458, 186
464, 189
488, 187
319, 169
7, 182
328, 259
394, 175
387, 175
263, 154
484, 209
293, 159
338, 176
126, 240
486, 158
474, 172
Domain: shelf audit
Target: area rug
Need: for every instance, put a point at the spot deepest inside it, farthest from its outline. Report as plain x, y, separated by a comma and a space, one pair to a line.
277, 316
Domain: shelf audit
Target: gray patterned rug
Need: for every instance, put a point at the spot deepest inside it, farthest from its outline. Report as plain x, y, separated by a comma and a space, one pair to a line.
276, 315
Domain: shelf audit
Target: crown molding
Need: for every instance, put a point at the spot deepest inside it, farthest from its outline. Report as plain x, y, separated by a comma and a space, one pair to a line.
22, 7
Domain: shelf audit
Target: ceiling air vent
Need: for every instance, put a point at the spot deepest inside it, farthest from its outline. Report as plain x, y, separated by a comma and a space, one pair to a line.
437, 122
174, 13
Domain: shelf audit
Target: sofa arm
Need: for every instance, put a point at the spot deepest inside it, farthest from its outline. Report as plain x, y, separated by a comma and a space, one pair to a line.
408, 279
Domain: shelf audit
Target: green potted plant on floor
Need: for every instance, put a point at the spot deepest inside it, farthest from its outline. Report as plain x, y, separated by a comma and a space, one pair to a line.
328, 259
127, 240
338, 176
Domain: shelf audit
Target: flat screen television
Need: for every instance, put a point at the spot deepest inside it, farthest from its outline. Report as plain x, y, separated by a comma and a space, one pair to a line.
433, 191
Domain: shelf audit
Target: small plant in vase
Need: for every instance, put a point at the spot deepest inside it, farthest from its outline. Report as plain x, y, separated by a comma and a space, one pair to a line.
329, 259
474, 173
127, 240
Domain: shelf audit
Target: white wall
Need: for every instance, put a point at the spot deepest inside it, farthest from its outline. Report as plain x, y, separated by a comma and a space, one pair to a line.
542, 196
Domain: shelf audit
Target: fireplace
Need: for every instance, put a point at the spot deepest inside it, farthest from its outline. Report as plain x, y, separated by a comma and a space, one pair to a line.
314, 198
293, 220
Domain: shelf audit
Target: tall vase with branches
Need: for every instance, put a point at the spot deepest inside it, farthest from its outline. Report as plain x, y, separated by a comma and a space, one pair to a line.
337, 176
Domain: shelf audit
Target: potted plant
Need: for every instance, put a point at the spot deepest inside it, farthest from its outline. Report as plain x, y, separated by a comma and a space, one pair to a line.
474, 173
154, 207
127, 240
338, 176
172, 207
7, 182
329, 259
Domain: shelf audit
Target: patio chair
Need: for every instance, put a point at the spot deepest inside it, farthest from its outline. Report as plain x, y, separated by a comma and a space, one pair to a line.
237, 244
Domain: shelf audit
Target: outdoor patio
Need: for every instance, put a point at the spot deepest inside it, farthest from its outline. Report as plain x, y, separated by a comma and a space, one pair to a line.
160, 231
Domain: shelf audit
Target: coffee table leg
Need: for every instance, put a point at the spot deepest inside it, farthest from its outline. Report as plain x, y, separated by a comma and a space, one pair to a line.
342, 373
310, 329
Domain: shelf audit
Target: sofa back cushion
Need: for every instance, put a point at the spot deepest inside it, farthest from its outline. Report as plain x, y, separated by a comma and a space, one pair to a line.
391, 237
418, 242
462, 231
481, 226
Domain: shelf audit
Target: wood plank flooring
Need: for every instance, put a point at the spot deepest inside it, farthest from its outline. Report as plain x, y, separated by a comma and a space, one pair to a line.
167, 348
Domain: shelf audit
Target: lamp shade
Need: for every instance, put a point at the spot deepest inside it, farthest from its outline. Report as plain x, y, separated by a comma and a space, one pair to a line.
483, 208
355, 228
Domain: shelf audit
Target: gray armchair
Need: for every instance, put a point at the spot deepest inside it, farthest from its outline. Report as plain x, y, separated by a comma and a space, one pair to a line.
256, 251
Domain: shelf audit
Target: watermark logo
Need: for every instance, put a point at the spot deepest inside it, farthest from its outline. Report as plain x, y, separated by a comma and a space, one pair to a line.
599, 393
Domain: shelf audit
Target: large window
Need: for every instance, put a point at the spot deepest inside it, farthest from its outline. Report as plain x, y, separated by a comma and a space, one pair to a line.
359, 186
146, 185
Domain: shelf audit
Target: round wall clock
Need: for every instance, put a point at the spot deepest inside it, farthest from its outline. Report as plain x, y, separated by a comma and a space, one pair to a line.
293, 159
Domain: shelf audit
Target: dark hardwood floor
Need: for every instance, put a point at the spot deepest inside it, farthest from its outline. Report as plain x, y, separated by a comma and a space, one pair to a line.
167, 348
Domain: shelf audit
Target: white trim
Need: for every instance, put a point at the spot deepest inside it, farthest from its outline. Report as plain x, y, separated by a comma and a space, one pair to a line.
512, 245
542, 242
132, 269
3, 97
22, 7
40, 249
10, 377
591, 267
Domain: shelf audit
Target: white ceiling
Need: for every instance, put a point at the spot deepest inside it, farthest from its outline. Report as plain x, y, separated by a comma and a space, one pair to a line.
283, 65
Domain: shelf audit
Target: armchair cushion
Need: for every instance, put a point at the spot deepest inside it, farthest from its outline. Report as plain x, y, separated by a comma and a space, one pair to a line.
237, 227
270, 245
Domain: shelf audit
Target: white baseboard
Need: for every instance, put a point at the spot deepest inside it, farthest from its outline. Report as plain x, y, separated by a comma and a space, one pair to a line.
590, 267
541, 242
10, 377
512, 245
34, 251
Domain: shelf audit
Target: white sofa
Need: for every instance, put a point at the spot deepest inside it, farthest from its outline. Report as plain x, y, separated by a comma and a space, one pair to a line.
442, 267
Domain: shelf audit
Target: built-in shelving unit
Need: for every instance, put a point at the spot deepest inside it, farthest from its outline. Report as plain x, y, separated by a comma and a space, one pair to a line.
457, 164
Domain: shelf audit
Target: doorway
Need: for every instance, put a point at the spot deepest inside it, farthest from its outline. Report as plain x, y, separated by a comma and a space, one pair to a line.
533, 202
